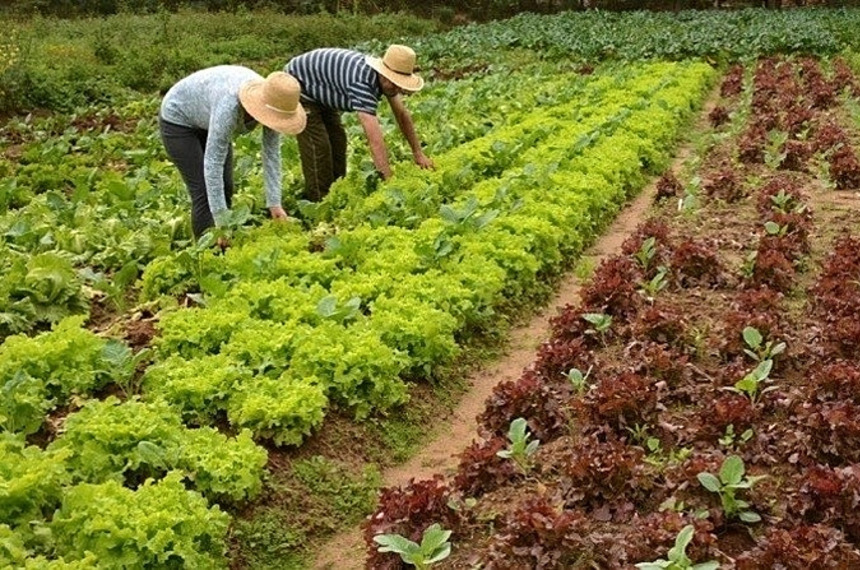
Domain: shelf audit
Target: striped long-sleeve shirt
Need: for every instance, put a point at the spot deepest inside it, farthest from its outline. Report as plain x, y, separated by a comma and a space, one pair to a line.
338, 79
209, 99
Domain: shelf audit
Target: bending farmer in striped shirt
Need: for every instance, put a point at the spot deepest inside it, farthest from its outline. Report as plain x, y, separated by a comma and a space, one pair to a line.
198, 118
335, 80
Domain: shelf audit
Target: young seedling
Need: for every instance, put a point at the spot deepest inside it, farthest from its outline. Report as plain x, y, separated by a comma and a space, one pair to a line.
785, 203
677, 557
646, 253
657, 283
601, 322
520, 449
655, 454
578, 380
774, 152
730, 439
759, 350
690, 200
434, 546
731, 479
751, 384
774, 229
748, 266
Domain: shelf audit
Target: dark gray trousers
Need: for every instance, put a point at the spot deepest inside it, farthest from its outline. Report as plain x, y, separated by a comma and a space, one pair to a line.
186, 146
322, 147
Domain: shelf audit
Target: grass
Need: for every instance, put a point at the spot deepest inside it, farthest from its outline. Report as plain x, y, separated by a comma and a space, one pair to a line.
61, 64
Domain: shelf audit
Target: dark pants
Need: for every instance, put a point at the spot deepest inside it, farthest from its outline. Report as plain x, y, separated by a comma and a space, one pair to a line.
322, 147
185, 146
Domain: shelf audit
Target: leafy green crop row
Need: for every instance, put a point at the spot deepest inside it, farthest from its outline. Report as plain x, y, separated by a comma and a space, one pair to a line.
382, 303
632, 36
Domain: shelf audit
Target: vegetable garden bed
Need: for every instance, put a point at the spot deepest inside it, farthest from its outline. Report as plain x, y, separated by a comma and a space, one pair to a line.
702, 393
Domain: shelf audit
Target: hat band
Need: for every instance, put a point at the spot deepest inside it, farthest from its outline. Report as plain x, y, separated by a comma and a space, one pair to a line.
277, 110
395, 71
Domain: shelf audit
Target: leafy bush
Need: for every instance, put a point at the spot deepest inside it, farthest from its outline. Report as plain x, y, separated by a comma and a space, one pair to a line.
284, 410
40, 373
134, 440
38, 290
31, 481
161, 524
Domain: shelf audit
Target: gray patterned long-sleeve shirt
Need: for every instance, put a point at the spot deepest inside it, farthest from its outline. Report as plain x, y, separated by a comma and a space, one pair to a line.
209, 99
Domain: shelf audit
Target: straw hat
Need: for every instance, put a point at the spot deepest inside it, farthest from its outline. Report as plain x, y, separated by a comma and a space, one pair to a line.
274, 102
398, 65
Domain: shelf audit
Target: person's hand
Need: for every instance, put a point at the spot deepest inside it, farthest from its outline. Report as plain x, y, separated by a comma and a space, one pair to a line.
278, 213
424, 161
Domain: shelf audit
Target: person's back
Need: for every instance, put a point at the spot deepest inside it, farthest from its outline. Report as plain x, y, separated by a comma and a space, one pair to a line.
194, 100
338, 79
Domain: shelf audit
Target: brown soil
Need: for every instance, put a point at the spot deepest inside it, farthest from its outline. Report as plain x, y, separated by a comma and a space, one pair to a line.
345, 551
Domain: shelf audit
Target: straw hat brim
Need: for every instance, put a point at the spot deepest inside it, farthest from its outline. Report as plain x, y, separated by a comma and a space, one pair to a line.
251, 97
407, 82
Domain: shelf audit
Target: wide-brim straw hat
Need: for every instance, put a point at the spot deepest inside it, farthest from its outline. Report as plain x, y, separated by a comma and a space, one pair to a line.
398, 65
274, 102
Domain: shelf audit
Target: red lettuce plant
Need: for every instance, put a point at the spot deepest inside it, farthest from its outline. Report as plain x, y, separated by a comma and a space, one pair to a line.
600, 469
718, 116
660, 362
621, 400
538, 534
695, 264
845, 168
727, 409
656, 532
668, 186
408, 511
782, 194
733, 81
531, 398
760, 308
724, 185
556, 357
481, 470
837, 381
800, 548
660, 323
751, 145
796, 155
828, 135
843, 77
773, 268
613, 289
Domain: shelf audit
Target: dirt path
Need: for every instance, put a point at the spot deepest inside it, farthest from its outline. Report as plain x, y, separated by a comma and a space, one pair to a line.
345, 551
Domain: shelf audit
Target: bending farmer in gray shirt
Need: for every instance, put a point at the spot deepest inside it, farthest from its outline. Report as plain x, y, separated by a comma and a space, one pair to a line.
198, 117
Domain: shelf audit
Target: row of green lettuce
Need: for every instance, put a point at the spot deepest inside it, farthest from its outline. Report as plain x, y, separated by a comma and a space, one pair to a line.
288, 259
90, 200
294, 327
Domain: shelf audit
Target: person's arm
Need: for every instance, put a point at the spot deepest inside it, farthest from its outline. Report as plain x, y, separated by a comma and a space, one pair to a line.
218, 141
272, 173
378, 152
407, 127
